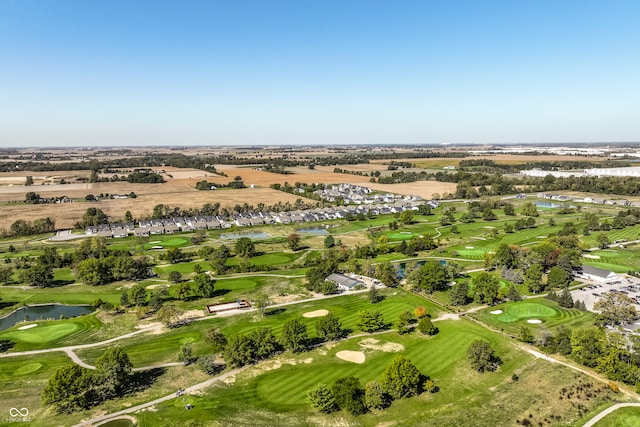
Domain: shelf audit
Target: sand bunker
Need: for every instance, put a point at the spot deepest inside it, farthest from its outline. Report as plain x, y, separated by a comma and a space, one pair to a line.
351, 356
534, 321
591, 256
317, 313
496, 312
22, 328
374, 344
469, 247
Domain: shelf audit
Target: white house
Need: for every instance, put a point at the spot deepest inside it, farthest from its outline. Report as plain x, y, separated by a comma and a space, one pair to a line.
597, 274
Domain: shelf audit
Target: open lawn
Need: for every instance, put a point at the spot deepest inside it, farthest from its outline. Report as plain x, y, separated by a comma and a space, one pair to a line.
173, 242
623, 417
516, 314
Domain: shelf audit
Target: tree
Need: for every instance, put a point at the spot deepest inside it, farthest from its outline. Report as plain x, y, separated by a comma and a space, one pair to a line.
615, 309
419, 312
565, 299
459, 294
261, 302
169, 314
204, 285
294, 335
322, 399
526, 335
175, 276
182, 290
533, 278
6, 272
402, 324
401, 378
245, 248
370, 320
349, 395
28, 181
239, 351
138, 294
432, 276
265, 343
406, 217
209, 364
558, 278
529, 209
513, 294
185, 355
603, 241
217, 339
587, 345
481, 356
485, 288
294, 241
505, 256
329, 241
374, 295
329, 328
68, 388
386, 274
426, 327
39, 275
113, 372
375, 397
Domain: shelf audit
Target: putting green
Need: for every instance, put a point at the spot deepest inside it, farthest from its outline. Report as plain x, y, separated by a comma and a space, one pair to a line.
169, 243
43, 333
401, 235
525, 310
27, 368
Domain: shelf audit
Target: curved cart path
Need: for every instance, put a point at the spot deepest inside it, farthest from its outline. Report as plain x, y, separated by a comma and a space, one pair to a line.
607, 411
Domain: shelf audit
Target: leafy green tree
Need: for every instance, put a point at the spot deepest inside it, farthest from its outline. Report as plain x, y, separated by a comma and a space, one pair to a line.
138, 294
217, 339
265, 343
432, 276
386, 274
204, 285
375, 397
185, 355
175, 276
402, 324
558, 278
533, 278
426, 327
565, 299
261, 302
175, 256
529, 209
526, 335
374, 295
113, 372
6, 273
245, 248
481, 356
209, 364
505, 256
406, 217
329, 328
38, 275
294, 241
370, 320
169, 314
349, 395
401, 378
615, 308
294, 335
329, 241
485, 288
124, 299
587, 345
603, 241
239, 351
513, 294
459, 294
68, 389
182, 290
322, 399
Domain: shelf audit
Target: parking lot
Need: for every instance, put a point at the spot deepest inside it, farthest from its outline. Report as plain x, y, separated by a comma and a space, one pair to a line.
628, 285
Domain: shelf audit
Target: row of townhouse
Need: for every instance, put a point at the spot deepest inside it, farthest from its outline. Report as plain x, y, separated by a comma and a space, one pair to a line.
180, 224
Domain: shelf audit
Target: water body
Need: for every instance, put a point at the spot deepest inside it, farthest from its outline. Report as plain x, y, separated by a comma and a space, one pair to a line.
249, 234
313, 230
39, 312
547, 205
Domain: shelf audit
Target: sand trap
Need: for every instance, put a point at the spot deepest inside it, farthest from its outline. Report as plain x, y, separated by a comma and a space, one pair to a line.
591, 256
374, 344
22, 328
469, 247
155, 241
351, 356
496, 312
534, 321
317, 313
488, 226
542, 237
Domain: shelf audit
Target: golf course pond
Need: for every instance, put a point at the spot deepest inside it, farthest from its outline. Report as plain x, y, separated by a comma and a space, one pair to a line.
49, 311
313, 230
249, 234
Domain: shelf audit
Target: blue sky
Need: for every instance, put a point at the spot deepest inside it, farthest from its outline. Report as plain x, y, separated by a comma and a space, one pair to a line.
120, 72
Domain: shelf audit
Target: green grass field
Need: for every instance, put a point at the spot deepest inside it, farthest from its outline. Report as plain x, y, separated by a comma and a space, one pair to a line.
623, 417
516, 314
174, 242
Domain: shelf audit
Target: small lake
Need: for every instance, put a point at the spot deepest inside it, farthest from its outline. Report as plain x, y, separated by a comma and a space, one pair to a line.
313, 230
547, 205
249, 234
39, 312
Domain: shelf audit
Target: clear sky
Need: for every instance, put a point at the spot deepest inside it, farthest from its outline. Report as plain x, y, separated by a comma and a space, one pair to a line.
136, 72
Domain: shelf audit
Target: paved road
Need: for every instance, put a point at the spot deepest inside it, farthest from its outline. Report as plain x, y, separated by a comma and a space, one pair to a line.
607, 411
